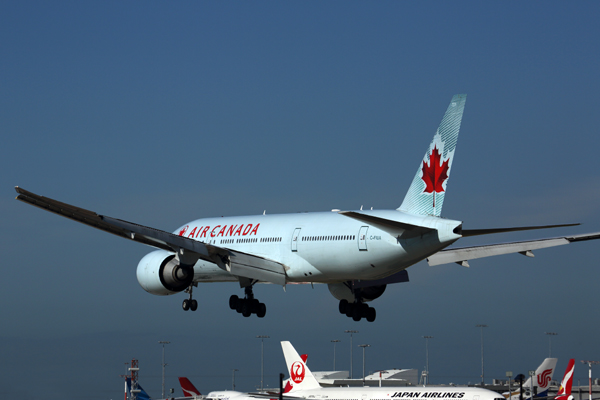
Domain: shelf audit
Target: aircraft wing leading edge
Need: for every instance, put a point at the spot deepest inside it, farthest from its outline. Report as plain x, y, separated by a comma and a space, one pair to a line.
463, 254
236, 262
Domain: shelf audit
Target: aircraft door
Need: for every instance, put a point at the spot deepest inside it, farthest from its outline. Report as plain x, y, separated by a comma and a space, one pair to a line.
362, 238
295, 237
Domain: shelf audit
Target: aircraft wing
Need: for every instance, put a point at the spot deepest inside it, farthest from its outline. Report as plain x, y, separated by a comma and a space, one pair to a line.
463, 255
236, 262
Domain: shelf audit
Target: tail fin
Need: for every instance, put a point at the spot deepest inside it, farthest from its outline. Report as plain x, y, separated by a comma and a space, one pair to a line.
564, 393
189, 390
300, 376
542, 377
141, 394
428, 189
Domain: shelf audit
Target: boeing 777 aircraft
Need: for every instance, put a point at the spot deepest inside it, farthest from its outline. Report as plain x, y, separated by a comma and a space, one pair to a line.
305, 386
356, 253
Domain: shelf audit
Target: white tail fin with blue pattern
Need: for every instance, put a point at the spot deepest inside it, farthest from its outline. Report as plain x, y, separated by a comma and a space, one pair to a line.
428, 189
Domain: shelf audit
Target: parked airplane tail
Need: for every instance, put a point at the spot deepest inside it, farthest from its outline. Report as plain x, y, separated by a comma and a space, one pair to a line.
541, 382
188, 388
428, 189
141, 395
288, 385
542, 377
300, 376
564, 393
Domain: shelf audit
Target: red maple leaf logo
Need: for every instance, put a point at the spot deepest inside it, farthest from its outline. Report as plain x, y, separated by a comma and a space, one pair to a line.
435, 173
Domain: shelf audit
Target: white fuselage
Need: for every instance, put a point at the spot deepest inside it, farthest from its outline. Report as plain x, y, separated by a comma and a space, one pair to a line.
399, 393
384, 393
321, 247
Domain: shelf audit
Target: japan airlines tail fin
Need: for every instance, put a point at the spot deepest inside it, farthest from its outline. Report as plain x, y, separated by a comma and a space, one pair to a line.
428, 189
188, 388
300, 376
564, 393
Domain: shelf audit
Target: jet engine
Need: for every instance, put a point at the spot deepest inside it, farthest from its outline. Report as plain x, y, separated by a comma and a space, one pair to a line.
342, 292
161, 273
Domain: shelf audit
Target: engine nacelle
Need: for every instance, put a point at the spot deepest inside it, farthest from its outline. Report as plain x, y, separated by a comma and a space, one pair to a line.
340, 291
160, 273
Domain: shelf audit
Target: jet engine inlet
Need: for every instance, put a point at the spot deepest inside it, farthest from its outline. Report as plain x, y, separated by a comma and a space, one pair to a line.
161, 273
175, 276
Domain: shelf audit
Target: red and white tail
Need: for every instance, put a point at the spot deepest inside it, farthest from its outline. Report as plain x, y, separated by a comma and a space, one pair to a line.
189, 390
542, 377
564, 393
300, 376
288, 385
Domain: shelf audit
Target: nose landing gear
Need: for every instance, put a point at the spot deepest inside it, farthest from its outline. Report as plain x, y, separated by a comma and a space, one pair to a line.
190, 304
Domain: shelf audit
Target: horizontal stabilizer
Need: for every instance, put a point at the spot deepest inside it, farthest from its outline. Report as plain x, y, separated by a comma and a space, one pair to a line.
461, 255
477, 232
388, 225
235, 262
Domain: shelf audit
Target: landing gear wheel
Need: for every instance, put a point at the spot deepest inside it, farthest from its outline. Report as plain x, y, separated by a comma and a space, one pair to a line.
262, 310
185, 305
343, 306
233, 301
193, 305
246, 309
371, 314
356, 313
254, 303
350, 309
363, 310
248, 305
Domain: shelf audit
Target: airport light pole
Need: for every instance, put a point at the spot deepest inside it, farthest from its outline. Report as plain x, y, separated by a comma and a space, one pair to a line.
163, 342
364, 346
531, 377
481, 326
427, 358
335, 341
590, 363
550, 334
509, 375
262, 359
351, 332
233, 378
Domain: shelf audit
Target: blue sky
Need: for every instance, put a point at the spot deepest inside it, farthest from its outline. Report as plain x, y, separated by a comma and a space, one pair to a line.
164, 112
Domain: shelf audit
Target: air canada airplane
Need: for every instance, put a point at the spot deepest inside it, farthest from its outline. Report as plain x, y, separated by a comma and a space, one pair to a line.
356, 253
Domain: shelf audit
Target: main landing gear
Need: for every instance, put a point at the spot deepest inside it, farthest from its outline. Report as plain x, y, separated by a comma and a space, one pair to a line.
357, 310
190, 304
248, 305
